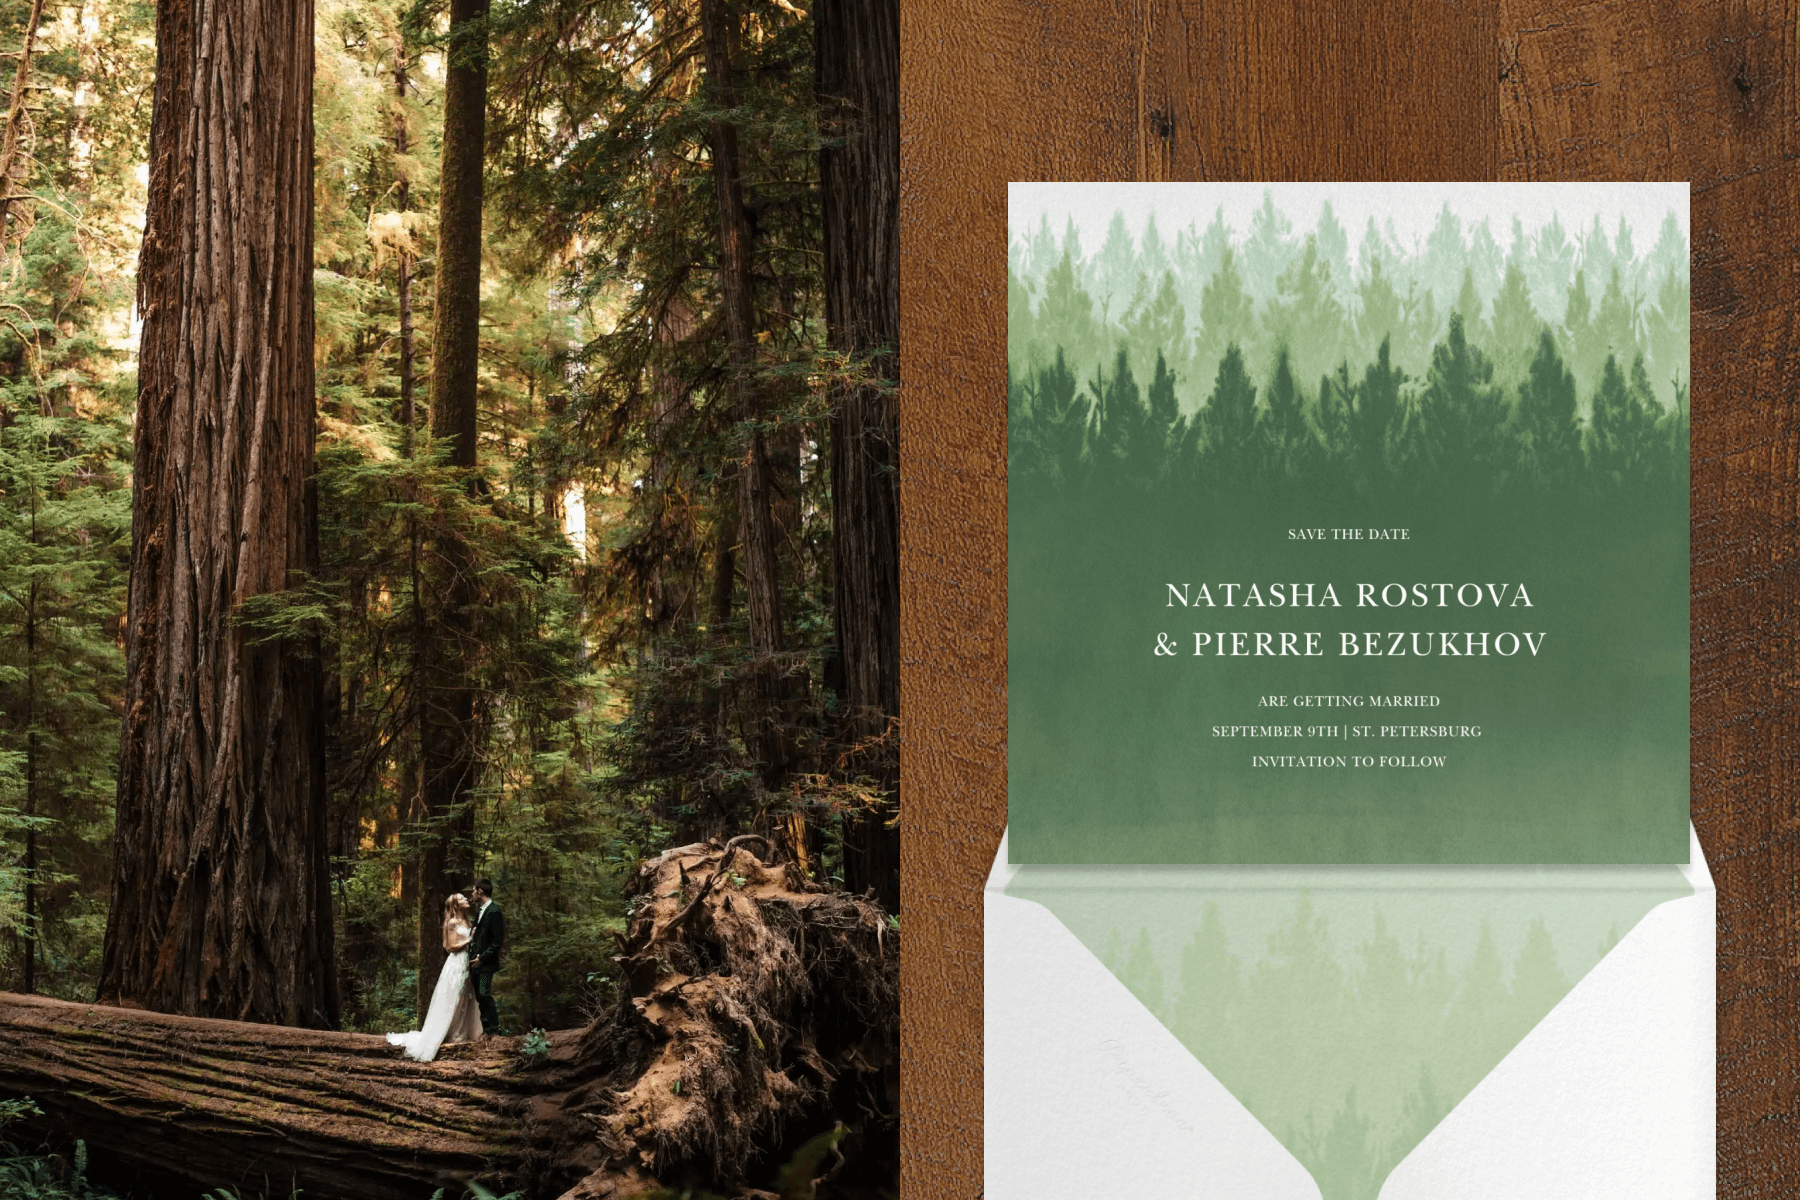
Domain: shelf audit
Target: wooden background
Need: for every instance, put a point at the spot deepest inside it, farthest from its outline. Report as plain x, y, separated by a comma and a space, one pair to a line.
997, 90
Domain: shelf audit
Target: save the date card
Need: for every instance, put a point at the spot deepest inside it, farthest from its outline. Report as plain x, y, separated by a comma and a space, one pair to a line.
1348, 523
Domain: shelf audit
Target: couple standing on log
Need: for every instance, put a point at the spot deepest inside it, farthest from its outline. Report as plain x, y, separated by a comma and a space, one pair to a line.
466, 984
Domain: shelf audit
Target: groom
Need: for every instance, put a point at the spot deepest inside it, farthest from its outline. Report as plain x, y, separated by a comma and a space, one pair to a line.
484, 952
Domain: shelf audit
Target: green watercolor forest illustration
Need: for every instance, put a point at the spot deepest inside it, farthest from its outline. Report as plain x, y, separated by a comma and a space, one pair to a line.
1246, 361
1183, 393
1349, 1018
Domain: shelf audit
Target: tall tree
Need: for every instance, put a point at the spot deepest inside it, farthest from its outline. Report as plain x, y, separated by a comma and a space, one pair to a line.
449, 746
220, 905
1549, 427
15, 113
403, 266
1462, 416
63, 515
857, 61
762, 586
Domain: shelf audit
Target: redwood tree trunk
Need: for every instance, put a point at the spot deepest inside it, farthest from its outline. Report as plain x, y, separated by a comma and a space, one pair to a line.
447, 726
857, 44
403, 266
215, 1103
220, 904
762, 584
456, 341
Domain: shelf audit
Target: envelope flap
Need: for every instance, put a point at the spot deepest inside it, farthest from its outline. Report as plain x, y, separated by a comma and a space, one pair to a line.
1087, 1094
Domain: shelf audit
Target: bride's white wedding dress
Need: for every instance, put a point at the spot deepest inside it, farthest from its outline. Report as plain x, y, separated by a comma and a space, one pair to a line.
452, 1015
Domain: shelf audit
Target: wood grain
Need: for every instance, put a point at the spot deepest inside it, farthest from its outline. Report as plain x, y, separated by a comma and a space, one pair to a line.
990, 90
993, 91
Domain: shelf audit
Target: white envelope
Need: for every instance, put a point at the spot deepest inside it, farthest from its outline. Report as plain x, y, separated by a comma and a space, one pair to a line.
1611, 1095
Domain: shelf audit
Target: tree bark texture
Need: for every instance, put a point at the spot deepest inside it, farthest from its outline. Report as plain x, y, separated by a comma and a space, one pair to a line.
456, 338
215, 1102
31, 760
762, 583
220, 904
758, 1010
403, 264
671, 593
857, 44
15, 115
447, 720
671, 585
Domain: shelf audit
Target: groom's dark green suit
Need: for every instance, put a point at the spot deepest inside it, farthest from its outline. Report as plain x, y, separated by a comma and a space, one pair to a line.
484, 955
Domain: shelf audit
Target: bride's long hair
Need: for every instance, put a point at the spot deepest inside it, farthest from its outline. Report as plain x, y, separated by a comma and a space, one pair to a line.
455, 905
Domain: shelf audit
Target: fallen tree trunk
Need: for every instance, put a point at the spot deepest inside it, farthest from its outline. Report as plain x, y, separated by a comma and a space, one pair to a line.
220, 1102
758, 1010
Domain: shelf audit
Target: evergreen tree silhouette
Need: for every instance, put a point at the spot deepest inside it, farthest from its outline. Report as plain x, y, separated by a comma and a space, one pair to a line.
1445, 258
1670, 252
1065, 317
1666, 336
1227, 428
1153, 256
1515, 326
1538, 982
1048, 432
1143, 976
1198, 256
1582, 348
1549, 427
1115, 270
1378, 422
1040, 250
1478, 1021
1462, 418
1418, 326
1298, 992
1615, 321
1157, 325
1209, 1009
1468, 307
1485, 259
1226, 310
1021, 320
1334, 409
1380, 316
1071, 246
1551, 268
1672, 430
1304, 311
1334, 253
1625, 259
1596, 251
1342, 1163
1667, 326
1622, 431
1268, 248
1420, 1113
1288, 445
1651, 465
1167, 426
1121, 440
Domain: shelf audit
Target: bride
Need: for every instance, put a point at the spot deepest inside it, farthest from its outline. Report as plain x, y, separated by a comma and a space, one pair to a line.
453, 1016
